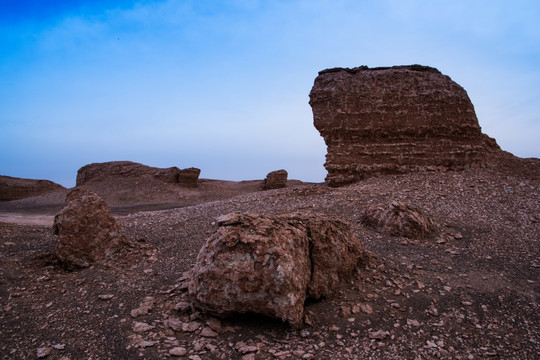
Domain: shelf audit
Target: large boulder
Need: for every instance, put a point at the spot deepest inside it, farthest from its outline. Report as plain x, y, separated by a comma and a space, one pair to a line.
271, 264
275, 180
13, 188
395, 120
87, 232
399, 219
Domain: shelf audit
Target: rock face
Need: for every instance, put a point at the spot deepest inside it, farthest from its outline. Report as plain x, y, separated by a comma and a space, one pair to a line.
128, 169
270, 265
12, 188
395, 120
275, 180
189, 177
399, 219
87, 232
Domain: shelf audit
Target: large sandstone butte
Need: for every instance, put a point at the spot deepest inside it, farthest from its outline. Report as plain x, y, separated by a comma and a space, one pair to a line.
12, 188
395, 120
128, 169
271, 264
87, 232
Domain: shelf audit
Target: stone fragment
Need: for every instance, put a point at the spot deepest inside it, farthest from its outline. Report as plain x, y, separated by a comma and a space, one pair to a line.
141, 327
270, 265
144, 307
379, 334
395, 120
43, 352
209, 333
182, 306
145, 344
275, 180
243, 348
399, 219
189, 177
191, 326
178, 351
87, 232
175, 324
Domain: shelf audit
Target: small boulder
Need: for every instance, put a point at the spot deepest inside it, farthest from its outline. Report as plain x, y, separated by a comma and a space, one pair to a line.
189, 177
87, 232
275, 180
399, 219
270, 265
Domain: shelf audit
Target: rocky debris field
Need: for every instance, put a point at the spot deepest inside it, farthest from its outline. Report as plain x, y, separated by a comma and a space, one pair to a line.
469, 290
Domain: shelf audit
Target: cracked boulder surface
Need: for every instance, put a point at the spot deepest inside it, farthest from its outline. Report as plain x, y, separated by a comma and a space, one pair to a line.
87, 232
270, 264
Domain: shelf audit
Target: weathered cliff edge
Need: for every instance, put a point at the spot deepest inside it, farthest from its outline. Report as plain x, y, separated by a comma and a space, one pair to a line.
395, 120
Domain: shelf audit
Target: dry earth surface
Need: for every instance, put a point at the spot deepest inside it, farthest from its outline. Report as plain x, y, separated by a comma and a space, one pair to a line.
469, 291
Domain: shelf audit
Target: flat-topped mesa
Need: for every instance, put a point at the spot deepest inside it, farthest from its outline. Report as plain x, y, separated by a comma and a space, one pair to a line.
395, 120
128, 169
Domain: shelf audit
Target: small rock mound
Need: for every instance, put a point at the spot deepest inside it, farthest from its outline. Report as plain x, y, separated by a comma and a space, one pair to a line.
87, 232
270, 265
399, 219
275, 180
12, 188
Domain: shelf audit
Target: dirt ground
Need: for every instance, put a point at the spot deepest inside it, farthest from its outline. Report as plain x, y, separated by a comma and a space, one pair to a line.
469, 291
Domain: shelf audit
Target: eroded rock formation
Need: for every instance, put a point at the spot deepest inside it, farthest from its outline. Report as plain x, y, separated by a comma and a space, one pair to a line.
270, 265
275, 180
395, 120
87, 232
12, 188
399, 219
189, 177
129, 169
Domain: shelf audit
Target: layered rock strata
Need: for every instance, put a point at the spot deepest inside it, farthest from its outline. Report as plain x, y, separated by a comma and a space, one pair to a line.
87, 232
127, 169
12, 188
275, 180
395, 120
270, 265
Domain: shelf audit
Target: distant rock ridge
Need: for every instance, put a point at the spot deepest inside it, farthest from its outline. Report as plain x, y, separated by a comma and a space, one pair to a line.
13, 188
128, 169
396, 119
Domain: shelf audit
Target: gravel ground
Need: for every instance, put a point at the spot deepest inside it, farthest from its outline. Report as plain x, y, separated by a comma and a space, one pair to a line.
469, 291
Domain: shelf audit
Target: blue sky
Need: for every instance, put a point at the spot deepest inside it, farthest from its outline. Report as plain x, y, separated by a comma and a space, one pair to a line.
223, 85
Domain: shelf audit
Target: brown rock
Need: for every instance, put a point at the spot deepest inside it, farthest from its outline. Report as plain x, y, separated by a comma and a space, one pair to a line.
269, 265
395, 120
12, 188
129, 169
87, 232
275, 180
399, 219
189, 177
